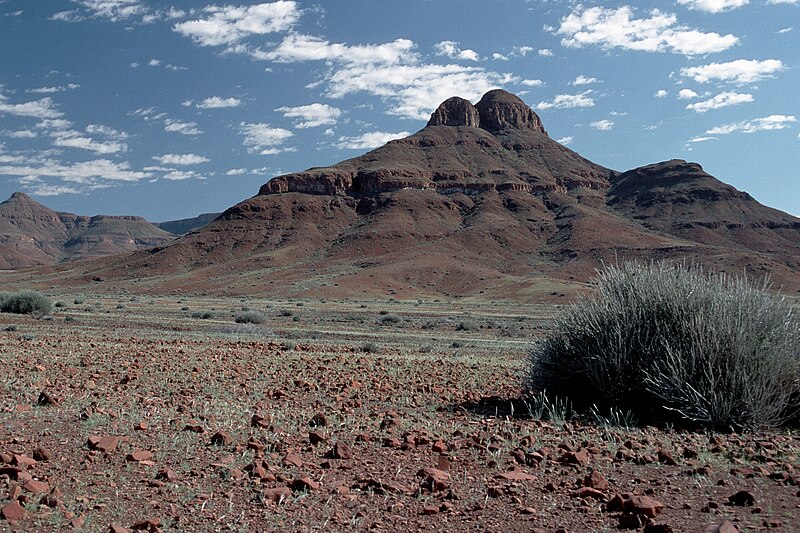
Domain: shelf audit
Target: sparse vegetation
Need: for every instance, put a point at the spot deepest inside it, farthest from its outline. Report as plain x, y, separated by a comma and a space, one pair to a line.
251, 317
25, 302
203, 315
673, 343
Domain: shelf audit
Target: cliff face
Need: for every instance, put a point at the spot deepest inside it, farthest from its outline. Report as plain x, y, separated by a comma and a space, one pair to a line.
32, 234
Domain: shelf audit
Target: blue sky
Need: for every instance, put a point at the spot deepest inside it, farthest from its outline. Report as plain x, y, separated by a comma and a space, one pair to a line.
167, 110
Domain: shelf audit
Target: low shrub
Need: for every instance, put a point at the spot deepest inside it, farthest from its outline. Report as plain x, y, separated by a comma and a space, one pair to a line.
251, 317
25, 302
674, 344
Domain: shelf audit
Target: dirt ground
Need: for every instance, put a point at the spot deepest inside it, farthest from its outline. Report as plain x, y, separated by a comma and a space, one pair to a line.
124, 412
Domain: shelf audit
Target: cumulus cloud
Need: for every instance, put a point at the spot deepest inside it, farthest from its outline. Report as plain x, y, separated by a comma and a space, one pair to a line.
532, 83
74, 139
370, 140
583, 80
43, 108
92, 174
567, 101
451, 49
312, 115
740, 71
181, 159
20, 134
236, 172
713, 6
184, 128
298, 47
772, 122
661, 93
99, 129
217, 102
721, 100
545, 52
602, 125
565, 140
53, 89
701, 139
228, 25
687, 94
113, 10
262, 138
617, 28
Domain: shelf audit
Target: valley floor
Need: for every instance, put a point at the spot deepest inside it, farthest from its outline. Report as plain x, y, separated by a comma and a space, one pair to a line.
164, 414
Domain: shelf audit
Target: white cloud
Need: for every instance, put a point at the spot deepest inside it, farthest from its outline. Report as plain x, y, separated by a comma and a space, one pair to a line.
74, 139
544, 52
217, 102
99, 129
21, 134
180, 175
701, 139
236, 172
740, 71
713, 6
228, 25
297, 47
772, 122
687, 94
616, 28
262, 138
184, 128
43, 108
785, 30
602, 125
84, 173
180, 159
565, 140
583, 80
370, 140
783, 1
312, 115
113, 10
661, 93
51, 90
499, 57
532, 83
452, 50
66, 16
721, 100
567, 101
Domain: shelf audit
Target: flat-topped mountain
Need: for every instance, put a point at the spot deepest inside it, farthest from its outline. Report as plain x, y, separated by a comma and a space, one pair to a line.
32, 234
481, 202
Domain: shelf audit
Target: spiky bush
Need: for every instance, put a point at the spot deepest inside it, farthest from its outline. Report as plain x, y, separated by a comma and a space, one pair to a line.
673, 343
25, 302
251, 317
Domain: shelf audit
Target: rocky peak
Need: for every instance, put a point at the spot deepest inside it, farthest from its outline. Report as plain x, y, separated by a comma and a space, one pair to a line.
455, 111
498, 109
19, 197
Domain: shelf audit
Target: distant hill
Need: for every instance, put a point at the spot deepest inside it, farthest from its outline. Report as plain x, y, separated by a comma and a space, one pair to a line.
480, 203
185, 225
32, 234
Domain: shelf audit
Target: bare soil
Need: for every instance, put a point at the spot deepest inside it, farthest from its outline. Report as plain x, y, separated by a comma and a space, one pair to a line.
139, 413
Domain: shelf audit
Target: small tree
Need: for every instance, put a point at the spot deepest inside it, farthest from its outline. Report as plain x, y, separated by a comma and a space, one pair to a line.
674, 343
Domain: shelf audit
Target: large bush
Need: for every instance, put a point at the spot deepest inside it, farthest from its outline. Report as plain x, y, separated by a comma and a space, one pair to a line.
672, 343
24, 303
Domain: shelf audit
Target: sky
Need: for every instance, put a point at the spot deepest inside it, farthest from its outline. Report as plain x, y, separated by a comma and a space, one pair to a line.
172, 109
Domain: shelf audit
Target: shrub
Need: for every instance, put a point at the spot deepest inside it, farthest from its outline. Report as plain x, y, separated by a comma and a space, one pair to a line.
203, 315
391, 319
25, 303
370, 347
251, 317
671, 343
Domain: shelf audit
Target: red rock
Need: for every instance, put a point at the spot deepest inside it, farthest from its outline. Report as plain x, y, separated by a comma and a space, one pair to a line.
616, 504
256, 445
259, 421
104, 444
115, 528
149, 524
77, 522
725, 527
221, 438
140, 455
742, 498
36, 487
47, 397
51, 500
316, 437
141, 426
165, 474
341, 451
384, 487
434, 479
644, 505
14, 511
652, 527
318, 420
665, 457
42, 454
304, 484
493, 491
630, 521
277, 495
580, 457
515, 475
439, 447
292, 459
596, 480
589, 492
443, 463
430, 509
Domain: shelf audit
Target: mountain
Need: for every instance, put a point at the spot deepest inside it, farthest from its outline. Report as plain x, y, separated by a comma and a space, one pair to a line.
480, 203
33, 235
185, 225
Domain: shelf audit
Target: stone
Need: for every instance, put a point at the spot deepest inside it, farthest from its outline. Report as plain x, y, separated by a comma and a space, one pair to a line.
304, 484
515, 475
665, 457
579, 457
221, 438
14, 511
434, 479
589, 492
644, 505
725, 527
165, 474
36, 487
318, 420
292, 459
341, 451
140, 455
630, 521
41, 453
499, 109
141, 426
277, 494
652, 527
316, 437
596, 480
742, 498
104, 444
148, 524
